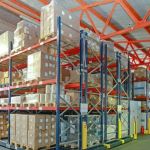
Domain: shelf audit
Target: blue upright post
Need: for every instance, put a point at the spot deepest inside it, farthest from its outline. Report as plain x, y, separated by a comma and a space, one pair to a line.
58, 84
106, 97
101, 91
118, 62
129, 93
147, 100
81, 93
9, 92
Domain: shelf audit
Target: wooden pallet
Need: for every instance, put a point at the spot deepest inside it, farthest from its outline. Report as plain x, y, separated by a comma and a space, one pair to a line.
15, 105
3, 105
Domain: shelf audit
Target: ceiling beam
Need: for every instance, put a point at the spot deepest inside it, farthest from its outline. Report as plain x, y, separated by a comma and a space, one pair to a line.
25, 7
135, 41
17, 11
45, 2
116, 29
93, 4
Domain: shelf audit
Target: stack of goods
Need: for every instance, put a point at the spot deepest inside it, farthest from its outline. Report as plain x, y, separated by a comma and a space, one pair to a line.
141, 89
5, 42
49, 16
18, 77
71, 132
140, 73
94, 130
41, 65
17, 100
25, 35
94, 80
4, 78
35, 99
4, 101
3, 125
38, 130
50, 95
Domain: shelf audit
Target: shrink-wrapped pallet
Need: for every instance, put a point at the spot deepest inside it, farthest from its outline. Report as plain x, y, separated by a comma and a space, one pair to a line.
49, 15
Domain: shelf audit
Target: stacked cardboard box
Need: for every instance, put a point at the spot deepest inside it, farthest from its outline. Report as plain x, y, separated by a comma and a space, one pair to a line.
4, 77
33, 131
5, 41
41, 65
12, 128
141, 88
49, 16
3, 125
3, 101
140, 73
17, 99
25, 35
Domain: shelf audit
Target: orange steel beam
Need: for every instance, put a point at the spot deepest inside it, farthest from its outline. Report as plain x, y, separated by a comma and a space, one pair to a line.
139, 25
134, 41
7, 6
93, 4
131, 12
109, 17
26, 7
100, 17
45, 2
146, 15
85, 25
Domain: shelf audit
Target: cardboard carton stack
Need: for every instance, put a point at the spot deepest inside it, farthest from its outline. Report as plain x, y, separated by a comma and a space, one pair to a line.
140, 73
3, 125
41, 65
5, 41
25, 35
38, 130
49, 16
4, 78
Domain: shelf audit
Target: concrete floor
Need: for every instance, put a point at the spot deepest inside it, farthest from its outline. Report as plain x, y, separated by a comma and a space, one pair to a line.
143, 143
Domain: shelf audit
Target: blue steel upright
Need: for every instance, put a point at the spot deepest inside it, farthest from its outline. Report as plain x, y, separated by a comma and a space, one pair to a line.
118, 73
58, 84
9, 91
129, 93
105, 90
101, 90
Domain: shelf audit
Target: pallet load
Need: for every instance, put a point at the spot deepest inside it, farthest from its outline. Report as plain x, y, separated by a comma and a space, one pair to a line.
5, 41
4, 78
41, 65
49, 16
140, 73
141, 89
3, 125
25, 35
38, 131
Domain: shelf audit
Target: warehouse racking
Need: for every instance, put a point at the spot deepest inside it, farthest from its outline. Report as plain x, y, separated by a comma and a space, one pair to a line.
101, 109
144, 98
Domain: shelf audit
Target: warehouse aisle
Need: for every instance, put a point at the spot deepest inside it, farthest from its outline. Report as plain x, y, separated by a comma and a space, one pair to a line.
143, 143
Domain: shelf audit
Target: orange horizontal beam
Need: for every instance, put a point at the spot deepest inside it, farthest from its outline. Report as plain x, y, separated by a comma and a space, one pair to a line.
26, 7
19, 12
94, 4
139, 25
134, 41
45, 2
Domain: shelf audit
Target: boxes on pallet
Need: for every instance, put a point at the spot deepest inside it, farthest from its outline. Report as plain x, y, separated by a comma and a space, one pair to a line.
3, 101
41, 65
35, 98
141, 88
12, 128
49, 16
5, 39
25, 35
17, 99
140, 73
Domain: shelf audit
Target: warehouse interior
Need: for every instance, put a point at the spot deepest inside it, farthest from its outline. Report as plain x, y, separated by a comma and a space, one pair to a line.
74, 74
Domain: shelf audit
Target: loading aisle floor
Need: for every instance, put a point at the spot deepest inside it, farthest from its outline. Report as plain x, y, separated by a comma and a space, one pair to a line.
143, 143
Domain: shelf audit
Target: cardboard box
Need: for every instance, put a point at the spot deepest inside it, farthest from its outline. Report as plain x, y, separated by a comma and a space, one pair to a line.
5, 39
48, 24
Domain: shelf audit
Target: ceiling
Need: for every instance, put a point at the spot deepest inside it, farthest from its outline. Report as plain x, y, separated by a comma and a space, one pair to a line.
120, 21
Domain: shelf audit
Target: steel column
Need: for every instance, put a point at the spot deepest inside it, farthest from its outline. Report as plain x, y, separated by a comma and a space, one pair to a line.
101, 91
58, 84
